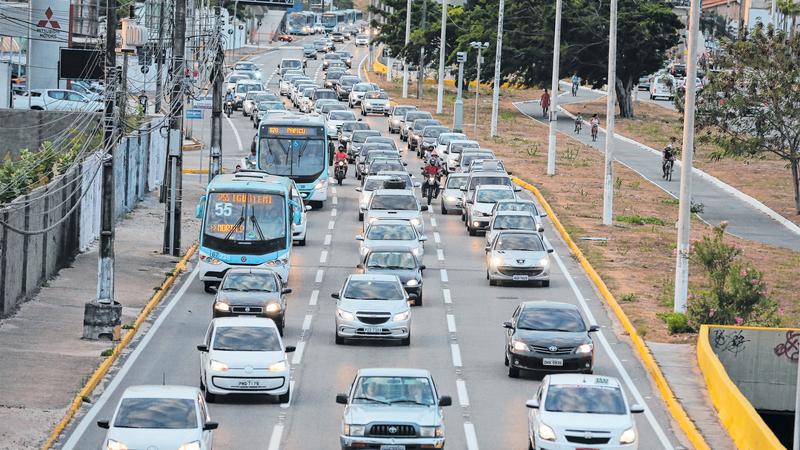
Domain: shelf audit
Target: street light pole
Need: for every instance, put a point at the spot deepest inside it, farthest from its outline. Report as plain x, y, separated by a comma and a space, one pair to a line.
479, 46
553, 114
458, 108
408, 37
442, 38
497, 53
685, 212
608, 182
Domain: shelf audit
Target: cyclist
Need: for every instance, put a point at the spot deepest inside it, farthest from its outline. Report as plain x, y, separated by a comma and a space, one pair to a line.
668, 157
578, 123
576, 81
595, 123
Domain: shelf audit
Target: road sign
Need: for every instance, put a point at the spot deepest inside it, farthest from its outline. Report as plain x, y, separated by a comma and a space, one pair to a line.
194, 113
461, 57
145, 69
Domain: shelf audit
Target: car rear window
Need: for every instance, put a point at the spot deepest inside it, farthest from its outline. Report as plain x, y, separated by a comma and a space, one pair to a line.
513, 206
393, 202
163, 413
476, 181
392, 232
514, 223
373, 290
391, 260
585, 399
494, 195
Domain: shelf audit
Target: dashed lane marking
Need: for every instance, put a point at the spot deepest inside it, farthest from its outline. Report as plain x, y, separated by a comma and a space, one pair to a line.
334, 201
320, 274
275, 439
455, 352
461, 389
451, 323
333, 212
439, 254
314, 297
446, 295
437, 237
472, 438
433, 222
328, 238
443, 275
307, 321
323, 257
331, 224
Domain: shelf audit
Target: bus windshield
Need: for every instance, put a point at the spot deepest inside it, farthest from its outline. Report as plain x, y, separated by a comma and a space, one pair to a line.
245, 223
301, 158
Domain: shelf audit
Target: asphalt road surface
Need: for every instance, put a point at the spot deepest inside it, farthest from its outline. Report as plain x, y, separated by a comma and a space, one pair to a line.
457, 334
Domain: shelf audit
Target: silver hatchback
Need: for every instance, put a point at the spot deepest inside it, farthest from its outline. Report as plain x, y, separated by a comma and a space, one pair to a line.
373, 306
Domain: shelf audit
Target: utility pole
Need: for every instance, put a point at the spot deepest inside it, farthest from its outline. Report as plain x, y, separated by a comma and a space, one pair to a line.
685, 209
369, 28
101, 317
420, 69
497, 54
159, 59
458, 108
215, 154
479, 46
408, 37
174, 182
442, 39
608, 182
553, 112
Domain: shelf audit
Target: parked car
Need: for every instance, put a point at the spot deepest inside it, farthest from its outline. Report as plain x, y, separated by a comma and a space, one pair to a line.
55, 100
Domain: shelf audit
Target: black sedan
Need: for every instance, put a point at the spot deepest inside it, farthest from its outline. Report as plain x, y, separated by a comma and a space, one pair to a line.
252, 292
548, 337
400, 261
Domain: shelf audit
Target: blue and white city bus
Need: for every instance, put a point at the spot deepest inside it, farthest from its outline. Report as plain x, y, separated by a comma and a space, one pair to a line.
331, 19
247, 221
301, 22
296, 146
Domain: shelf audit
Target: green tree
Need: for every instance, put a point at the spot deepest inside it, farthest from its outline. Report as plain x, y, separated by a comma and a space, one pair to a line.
752, 108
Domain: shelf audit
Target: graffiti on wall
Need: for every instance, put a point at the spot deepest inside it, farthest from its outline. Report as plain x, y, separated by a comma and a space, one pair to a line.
790, 348
729, 340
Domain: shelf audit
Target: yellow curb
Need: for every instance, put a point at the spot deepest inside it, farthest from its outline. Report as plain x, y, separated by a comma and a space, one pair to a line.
195, 170
743, 423
192, 147
102, 370
674, 407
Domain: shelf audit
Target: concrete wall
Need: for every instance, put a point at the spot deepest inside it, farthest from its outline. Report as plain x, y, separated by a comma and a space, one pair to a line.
24, 129
27, 260
761, 362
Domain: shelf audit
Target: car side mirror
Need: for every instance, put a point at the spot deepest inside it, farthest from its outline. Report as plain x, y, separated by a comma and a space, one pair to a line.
335, 295
463, 189
637, 409
507, 324
359, 237
309, 208
550, 250
423, 208
417, 184
509, 172
542, 214
445, 400
103, 424
423, 238
594, 328
423, 267
487, 248
541, 229
532, 404
208, 426
358, 189
290, 349
360, 266
405, 163
341, 399
517, 188
469, 201
202, 347
286, 291
360, 119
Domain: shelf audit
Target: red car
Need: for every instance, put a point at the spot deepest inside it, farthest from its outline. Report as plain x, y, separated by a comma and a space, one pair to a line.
285, 37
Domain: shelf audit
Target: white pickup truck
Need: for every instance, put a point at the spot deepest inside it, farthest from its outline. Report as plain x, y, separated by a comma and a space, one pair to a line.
55, 100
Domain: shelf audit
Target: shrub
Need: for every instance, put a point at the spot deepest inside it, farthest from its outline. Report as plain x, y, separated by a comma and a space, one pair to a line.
676, 322
629, 297
636, 219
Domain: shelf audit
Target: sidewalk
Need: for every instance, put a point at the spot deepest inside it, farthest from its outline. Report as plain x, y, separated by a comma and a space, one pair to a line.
45, 361
719, 202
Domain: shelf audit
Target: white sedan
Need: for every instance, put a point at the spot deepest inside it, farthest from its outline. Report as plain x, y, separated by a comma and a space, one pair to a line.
392, 233
244, 355
375, 102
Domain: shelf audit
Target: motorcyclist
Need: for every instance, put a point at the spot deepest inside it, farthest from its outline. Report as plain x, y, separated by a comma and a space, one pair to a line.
432, 168
228, 103
251, 160
340, 155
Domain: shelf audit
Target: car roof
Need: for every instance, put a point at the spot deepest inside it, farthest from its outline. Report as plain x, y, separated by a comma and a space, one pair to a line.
482, 187
261, 270
458, 175
243, 321
513, 213
406, 192
488, 173
161, 391
390, 248
583, 380
393, 372
544, 304
402, 222
372, 277
393, 173
516, 200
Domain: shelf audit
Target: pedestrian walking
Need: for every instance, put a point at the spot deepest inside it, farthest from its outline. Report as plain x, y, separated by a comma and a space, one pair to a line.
544, 101
576, 82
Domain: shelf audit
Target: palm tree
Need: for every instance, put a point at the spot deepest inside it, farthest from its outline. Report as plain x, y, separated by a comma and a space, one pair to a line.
789, 8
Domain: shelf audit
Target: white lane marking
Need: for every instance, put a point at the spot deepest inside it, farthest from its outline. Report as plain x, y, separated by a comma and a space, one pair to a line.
291, 395
275, 439
89, 418
451, 323
443, 275
328, 238
437, 238
320, 274
472, 438
298, 353
335, 201
455, 351
461, 389
323, 256
333, 212
446, 294
433, 222
333, 190
235, 132
314, 297
307, 321
614, 359
439, 254
331, 224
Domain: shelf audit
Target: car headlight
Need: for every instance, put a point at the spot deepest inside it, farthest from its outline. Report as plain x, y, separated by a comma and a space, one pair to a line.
412, 283
218, 366
519, 345
415, 222
584, 348
497, 260
373, 219
278, 262
194, 445
431, 432
450, 198
279, 366
416, 251
399, 317
258, 75
115, 445
222, 307
353, 430
546, 433
544, 261
345, 315
628, 436
209, 260
320, 184
273, 307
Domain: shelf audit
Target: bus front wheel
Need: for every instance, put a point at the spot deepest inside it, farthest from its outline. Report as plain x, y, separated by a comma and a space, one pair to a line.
208, 286
316, 204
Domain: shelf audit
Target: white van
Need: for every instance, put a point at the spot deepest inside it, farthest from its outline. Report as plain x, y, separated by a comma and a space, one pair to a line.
662, 85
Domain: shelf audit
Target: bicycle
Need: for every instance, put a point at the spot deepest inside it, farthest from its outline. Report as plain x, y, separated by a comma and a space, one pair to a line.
666, 169
578, 126
594, 133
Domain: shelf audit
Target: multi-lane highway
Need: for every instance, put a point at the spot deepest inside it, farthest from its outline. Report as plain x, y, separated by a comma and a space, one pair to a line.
457, 334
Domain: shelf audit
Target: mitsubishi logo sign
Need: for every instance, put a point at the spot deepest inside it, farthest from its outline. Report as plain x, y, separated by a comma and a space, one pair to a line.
45, 31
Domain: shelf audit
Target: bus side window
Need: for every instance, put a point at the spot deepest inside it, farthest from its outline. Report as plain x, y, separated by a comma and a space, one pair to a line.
198, 210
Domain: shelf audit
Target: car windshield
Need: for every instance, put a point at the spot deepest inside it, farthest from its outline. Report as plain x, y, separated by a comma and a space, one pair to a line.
524, 242
326, 94
514, 206
377, 166
347, 82
551, 319
342, 115
585, 399
362, 137
412, 116
244, 88
445, 138
352, 126
334, 75
265, 97
245, 66
373, 183
476, 181
376, 95
264, 282
331, 56
394, 390
308, 46
363, 87
433, 132
161, 413
291, 64
456, 182
394, 202
263, 106
361, 36
401, 111
391, 233
391, 260
292, 157
493, 195
334, 107
373, 290
514, 223
244, 217
422, 123
247, 339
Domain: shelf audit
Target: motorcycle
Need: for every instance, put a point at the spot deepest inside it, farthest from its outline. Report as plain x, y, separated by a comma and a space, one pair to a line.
248, 163
228, 108
340, 171
430, 189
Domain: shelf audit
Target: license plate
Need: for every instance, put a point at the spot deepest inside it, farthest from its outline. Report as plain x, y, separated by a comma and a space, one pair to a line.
553, 362
248, 384
520, 278
373, 330
393, 447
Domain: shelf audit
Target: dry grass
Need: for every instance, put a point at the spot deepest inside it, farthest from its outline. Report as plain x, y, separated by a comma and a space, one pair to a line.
637, 262
769, 180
